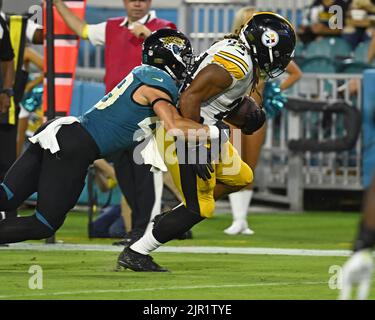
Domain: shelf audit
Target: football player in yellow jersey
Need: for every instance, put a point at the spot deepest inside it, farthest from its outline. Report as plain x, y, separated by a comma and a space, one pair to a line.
218, 82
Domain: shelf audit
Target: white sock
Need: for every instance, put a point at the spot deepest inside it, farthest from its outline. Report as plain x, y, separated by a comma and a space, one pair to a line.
158, 187
240, 202
146, 244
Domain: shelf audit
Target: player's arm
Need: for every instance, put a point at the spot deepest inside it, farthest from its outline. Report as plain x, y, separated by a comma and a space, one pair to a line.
294, 74
79, 26
31, 56
173, 122
210, 81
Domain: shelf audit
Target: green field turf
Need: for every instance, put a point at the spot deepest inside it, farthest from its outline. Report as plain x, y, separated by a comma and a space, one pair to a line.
92, 275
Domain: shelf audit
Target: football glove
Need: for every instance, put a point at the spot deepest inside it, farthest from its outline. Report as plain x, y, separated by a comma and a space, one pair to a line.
254, 121
199, 157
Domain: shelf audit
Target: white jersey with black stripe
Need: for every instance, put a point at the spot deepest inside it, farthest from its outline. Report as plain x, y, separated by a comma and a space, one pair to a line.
232, 56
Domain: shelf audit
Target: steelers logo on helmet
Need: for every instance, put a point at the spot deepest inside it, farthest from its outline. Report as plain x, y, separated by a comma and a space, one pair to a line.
270, 38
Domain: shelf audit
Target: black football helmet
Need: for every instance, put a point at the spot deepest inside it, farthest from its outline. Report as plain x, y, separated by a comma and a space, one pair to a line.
271, 40
169, 50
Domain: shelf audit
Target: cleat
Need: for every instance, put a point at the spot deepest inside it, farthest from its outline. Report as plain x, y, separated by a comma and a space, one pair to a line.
239, 227
138, 262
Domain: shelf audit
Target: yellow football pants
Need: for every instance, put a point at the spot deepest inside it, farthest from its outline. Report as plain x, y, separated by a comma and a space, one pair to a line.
197, 194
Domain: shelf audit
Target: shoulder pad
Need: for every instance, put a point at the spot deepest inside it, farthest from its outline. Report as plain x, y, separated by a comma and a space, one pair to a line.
157, 78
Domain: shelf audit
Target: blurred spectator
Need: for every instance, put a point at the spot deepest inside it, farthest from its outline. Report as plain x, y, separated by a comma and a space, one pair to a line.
28, 105
14, 32
109, 224
317, 18
367, 5
113, 221
359, 22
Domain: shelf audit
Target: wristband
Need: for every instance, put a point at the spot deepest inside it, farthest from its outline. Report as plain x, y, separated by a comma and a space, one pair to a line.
214, 132
85, 32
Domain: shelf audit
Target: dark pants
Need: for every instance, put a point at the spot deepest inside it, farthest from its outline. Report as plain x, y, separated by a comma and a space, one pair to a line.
58, 178
8, 143
109, 224
137, 185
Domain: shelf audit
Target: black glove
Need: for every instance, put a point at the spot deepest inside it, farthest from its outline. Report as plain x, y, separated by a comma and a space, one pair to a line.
199, 158
254, 121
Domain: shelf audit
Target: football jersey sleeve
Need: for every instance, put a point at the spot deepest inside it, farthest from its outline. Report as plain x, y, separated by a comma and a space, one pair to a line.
234, 60
158, 79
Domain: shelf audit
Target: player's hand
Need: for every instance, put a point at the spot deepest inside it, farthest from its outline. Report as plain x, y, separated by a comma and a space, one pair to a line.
357, 272
199, 157
254, 121
139, 30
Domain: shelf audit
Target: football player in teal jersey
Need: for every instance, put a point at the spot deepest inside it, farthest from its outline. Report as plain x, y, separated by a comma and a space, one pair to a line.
55, 164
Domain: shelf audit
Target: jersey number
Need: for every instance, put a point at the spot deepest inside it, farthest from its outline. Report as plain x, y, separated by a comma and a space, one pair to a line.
116, 92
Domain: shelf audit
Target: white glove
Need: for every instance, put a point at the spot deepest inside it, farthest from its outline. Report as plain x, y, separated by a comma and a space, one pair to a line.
357, 271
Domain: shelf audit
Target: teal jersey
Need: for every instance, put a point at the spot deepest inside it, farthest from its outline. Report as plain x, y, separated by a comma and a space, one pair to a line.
117, 122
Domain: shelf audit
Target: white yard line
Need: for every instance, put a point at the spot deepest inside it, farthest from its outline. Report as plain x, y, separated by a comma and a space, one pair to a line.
209, 250
224, 286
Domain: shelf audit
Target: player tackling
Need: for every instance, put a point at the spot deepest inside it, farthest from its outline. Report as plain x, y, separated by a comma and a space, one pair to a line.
218, 81
55, 164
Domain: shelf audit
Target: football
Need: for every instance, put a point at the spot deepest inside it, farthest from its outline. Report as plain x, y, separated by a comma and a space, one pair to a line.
237, 116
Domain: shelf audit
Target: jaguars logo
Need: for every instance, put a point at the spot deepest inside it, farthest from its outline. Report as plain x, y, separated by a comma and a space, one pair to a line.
175, 44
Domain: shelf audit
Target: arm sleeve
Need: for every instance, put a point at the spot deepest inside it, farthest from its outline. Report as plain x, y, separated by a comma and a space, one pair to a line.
232, 61
6, 50
96, 33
